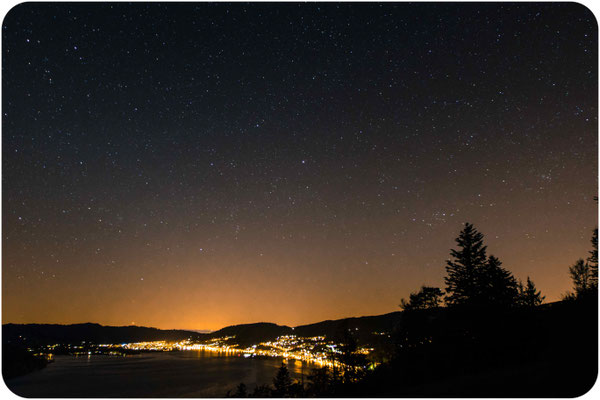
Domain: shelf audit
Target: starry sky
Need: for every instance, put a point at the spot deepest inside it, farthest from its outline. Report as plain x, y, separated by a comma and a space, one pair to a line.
199, 165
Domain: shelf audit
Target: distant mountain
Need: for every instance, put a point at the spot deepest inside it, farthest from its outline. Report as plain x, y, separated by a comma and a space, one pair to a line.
200, 330
362, 328
245, 334
41, 334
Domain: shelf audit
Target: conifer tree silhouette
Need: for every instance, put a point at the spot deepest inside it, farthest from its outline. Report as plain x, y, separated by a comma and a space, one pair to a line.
529, 296
496, 285
282, 381
468, 261
241, 391
593, 259
426, 297
581, 275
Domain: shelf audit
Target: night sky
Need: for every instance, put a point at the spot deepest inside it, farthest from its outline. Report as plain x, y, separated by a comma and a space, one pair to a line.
200, 165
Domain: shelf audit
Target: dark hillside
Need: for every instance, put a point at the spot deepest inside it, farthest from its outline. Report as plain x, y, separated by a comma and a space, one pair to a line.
43, 334
546, 351
248, 334
362, 327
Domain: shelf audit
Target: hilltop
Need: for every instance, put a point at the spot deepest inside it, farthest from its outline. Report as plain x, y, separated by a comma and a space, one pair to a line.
244, 334
43, 334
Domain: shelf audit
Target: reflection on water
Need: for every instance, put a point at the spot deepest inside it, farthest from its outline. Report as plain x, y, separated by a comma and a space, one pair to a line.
174, 374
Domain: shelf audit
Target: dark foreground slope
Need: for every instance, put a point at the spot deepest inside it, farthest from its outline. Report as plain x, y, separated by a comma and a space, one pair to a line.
547, 351
16, 361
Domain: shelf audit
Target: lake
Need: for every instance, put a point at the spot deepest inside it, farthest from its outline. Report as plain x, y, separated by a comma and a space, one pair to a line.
161, 374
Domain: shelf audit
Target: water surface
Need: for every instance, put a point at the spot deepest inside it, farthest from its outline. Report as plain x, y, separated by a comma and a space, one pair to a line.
168, 374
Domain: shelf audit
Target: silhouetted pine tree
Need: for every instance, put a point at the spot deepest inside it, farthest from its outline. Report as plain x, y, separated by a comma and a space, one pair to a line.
496, 286
282, 382
529, 296
334, 357
319, 382
427, 297
353, 362
241, 391
581, 275
468, 261
593, 259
